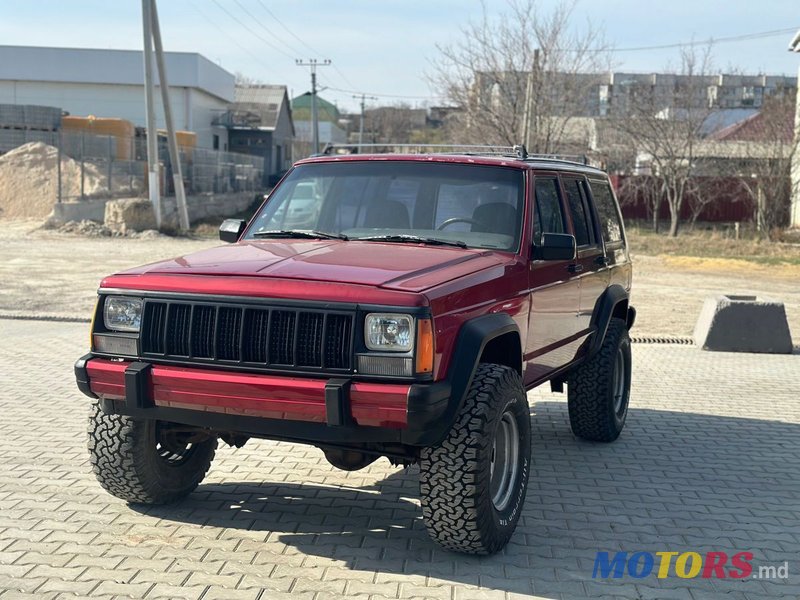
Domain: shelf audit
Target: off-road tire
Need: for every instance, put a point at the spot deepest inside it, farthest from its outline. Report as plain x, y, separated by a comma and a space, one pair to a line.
591, 388
124, 457
455, 476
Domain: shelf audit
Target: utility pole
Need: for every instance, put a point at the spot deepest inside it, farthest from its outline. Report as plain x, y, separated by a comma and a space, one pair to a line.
150, 113
794, 214
313, 64
531, 81
172, 140
152, 37
364, 98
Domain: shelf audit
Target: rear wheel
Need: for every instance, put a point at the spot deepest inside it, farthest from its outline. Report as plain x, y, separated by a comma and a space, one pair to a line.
473, 484
598, 391
146, 461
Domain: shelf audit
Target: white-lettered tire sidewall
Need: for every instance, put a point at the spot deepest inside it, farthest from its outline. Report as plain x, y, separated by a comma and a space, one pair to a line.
455, 475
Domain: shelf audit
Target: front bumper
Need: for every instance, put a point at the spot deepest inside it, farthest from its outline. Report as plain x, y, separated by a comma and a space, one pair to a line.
277, 407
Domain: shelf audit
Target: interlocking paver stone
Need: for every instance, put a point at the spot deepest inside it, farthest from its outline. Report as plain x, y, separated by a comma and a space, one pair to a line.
710, 460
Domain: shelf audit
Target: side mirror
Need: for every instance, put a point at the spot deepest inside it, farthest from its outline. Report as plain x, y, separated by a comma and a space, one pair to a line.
555, 246
231, 230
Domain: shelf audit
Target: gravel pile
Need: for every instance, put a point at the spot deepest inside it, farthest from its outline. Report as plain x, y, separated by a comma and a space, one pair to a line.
86, 229
93, 229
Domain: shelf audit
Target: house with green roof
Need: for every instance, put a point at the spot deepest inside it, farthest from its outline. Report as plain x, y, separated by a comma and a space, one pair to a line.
328, 117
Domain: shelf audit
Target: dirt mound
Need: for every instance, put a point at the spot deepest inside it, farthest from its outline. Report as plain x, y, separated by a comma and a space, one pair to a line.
29, 180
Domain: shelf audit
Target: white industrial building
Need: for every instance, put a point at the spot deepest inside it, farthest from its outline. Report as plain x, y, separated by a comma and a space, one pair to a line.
110, 83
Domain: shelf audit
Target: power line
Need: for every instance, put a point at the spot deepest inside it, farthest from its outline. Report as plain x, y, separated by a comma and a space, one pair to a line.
216, 26
401, 96
255, 33
286, 29
269, 32
721, 40
299, 39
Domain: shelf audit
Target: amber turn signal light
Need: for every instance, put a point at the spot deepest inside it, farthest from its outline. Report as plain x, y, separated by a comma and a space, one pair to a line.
424, 346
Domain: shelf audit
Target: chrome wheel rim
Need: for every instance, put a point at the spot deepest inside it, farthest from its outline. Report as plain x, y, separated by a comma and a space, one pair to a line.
504, 466
618, 382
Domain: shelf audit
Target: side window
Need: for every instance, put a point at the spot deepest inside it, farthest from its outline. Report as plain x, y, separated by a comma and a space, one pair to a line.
607, 211
548, 217
578, 210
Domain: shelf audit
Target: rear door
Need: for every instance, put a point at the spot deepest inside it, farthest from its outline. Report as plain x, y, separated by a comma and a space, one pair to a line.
590, 263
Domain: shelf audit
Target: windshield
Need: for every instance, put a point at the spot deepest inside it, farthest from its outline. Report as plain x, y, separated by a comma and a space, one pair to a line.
469, 205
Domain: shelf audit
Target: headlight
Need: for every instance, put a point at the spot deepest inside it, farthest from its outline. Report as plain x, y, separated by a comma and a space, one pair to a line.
385, 331
121, 313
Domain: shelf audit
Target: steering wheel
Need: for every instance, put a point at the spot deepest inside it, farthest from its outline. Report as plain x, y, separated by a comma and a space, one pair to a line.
448, 222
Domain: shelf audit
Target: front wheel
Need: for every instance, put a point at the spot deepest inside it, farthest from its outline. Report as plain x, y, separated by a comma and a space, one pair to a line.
473, 484
145, 461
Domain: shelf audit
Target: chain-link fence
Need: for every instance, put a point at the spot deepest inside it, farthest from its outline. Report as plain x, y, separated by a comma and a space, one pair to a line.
87, 165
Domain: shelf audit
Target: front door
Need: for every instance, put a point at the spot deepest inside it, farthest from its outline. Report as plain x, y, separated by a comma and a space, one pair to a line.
554, 290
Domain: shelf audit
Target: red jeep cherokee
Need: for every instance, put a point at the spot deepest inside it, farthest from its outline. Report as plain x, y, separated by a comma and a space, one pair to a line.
375, 305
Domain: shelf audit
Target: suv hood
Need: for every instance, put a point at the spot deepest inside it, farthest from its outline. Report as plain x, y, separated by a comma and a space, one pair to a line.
406, 267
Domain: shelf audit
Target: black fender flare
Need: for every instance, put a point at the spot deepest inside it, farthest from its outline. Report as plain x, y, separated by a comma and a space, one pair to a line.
615, 301
472, 339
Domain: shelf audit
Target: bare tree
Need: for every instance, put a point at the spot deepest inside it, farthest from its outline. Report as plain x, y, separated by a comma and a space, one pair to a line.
521, 76
643, 189
665, 128
762, 151
393, 123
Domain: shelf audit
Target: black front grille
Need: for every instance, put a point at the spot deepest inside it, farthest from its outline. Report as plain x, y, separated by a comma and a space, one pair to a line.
276, 337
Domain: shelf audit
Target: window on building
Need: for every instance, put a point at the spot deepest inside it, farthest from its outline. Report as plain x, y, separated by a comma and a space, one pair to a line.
215, 142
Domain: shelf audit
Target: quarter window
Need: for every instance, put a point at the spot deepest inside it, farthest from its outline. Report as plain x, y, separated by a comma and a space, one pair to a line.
606, 211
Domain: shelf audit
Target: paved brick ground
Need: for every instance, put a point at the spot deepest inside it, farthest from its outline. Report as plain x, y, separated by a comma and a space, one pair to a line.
710, 460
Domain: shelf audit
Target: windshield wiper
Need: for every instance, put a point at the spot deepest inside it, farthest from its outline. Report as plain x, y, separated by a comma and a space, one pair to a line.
300, 233
412, 239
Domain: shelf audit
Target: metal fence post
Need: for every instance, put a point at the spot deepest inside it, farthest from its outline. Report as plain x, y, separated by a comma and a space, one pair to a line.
110, 167
83, 138
58, 164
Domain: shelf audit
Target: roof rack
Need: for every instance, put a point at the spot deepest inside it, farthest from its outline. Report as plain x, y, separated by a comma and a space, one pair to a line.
519, 151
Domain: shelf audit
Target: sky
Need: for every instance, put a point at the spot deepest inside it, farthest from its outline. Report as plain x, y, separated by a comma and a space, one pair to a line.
384, 48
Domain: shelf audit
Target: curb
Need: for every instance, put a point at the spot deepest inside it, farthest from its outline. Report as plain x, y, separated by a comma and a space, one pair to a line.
34, 317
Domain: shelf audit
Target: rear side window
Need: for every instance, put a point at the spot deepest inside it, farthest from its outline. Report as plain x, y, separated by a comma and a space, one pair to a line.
607, 211
548, 217
579, 212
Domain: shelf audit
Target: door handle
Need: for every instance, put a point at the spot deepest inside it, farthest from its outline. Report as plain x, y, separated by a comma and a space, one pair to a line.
575, 268
601, 260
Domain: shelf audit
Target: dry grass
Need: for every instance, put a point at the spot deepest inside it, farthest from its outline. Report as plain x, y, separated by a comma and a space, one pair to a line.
718, 249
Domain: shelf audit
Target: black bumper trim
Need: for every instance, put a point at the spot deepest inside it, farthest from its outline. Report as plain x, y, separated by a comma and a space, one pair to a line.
337, 403
137, 383
82, 375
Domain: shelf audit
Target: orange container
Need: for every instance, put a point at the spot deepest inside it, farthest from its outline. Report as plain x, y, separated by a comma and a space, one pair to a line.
124, 131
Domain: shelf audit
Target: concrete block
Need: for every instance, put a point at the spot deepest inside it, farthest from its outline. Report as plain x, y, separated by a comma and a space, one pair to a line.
730, 323
129, 214
85, 210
